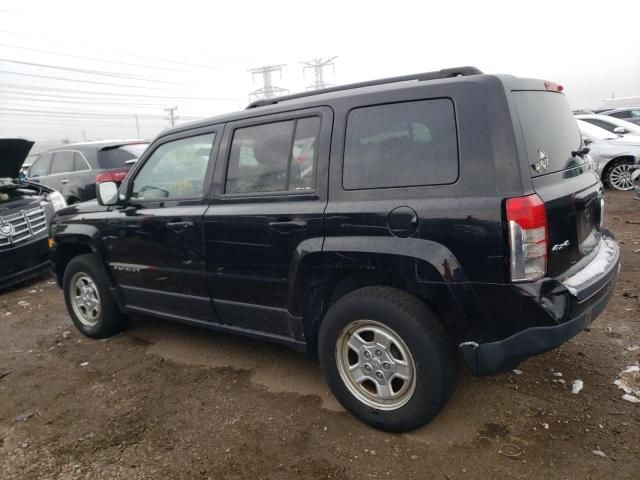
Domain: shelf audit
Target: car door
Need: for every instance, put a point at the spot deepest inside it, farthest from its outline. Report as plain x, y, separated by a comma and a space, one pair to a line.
154, 240
61, 176
271, 193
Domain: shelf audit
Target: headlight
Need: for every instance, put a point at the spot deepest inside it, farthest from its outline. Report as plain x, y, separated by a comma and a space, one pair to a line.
57, 200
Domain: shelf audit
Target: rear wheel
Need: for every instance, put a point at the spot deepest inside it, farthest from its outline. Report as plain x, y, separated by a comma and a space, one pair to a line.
618, 175
89, 302
387, 358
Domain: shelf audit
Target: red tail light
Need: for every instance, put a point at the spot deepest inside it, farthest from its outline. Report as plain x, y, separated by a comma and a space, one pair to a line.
527, 223
112, 176
552, 87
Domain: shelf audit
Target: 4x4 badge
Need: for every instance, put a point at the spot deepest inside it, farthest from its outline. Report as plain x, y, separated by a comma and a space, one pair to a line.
542, 163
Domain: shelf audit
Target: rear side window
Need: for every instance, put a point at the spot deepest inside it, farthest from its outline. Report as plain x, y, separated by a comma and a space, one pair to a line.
621, 114
62, 162
401, 145
550, 130
273, 157
120, 156
41, 165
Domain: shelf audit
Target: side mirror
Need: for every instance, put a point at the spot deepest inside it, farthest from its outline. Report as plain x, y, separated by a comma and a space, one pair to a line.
620, 130
586, 140
107, 193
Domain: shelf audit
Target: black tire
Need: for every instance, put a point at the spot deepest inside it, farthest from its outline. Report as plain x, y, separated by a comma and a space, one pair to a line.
423, 334
610, 168
110, 320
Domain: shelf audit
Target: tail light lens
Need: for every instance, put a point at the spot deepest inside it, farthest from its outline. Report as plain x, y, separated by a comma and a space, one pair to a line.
527, 223
112, 176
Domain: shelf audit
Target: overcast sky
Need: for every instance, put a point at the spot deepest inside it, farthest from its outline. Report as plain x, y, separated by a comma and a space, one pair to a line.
85, 69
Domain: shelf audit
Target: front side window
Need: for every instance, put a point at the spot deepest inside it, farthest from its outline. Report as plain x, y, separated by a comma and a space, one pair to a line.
62, 162
175, 170
273, 157
41, 165
401, 145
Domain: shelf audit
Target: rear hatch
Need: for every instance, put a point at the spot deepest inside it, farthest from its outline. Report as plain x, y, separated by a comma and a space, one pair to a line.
563, 179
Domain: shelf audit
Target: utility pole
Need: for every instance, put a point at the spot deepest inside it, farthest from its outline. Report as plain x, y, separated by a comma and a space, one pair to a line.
268, 90
318, 65
138, 126
172, 117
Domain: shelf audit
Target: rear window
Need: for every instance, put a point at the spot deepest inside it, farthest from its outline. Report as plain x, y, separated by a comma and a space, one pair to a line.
117, 157
550, 130
401, 145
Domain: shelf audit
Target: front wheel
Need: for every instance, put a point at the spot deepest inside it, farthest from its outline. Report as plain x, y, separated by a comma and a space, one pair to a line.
89, 302
387, 358
618, 175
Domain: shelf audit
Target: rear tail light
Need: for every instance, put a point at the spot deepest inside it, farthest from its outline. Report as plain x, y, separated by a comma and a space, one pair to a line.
527, 223
112, 176
552, 87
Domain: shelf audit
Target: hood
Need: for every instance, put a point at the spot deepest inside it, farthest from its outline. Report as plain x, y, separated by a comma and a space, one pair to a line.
13, 152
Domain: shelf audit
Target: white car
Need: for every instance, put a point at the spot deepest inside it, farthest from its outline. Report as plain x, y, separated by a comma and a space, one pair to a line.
611, 124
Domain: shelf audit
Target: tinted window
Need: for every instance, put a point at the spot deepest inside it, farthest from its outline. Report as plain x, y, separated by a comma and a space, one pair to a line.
117, 157
621, 114
175, 170
62, 162
635, 113
273, 157
401, 144
549, 129
599, 123
41, 165
79, 163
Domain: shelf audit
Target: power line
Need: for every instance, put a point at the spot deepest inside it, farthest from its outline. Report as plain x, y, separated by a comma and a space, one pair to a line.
143, 57
318, 65
78, 101
81, 114
268, 90
135, 95
93, 72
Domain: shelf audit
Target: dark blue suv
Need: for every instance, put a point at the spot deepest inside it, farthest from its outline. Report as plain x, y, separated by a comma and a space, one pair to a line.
383, 226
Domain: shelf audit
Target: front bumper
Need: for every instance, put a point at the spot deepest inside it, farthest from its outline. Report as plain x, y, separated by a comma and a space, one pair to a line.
23, 262
584, 303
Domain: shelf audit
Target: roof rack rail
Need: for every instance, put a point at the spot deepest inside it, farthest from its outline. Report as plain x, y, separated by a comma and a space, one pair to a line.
444, 73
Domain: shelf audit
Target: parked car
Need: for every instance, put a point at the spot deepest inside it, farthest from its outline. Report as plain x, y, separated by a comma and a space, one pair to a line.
25, 210
611, 124
614, 155
382, 226
629, 114
74, 169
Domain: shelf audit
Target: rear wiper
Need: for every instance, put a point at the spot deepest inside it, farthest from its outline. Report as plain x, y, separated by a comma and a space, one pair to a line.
580, 153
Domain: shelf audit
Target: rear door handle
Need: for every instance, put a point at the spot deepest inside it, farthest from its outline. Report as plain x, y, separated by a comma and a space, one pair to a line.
287, 225
65, 180
179, 226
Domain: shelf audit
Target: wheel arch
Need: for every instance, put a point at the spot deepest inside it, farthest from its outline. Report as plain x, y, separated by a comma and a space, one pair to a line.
71, 240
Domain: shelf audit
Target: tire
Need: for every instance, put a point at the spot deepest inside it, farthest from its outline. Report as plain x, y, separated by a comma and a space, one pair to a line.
413, 335
86, 277
617, 175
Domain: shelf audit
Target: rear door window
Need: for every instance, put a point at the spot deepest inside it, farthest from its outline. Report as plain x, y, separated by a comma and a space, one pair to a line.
79, 163
550, 130
273, 157
401, 145
62, 162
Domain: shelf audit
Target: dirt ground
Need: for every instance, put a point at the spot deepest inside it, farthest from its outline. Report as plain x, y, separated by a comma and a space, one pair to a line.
169, 401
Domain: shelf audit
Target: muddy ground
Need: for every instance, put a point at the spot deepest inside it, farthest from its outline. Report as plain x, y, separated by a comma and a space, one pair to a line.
169, 401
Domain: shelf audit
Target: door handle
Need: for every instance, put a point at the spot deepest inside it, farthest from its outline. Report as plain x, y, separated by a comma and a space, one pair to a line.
65, 180
287, 225
179, 226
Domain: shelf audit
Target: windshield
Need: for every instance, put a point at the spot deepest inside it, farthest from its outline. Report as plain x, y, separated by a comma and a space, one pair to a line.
121, 155
594, 132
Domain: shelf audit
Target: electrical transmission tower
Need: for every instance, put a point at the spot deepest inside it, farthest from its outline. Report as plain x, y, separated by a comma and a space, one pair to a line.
268, 90
318, 65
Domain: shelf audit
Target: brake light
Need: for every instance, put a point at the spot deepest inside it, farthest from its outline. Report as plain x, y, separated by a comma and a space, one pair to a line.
527, 223
112, 176
552, 86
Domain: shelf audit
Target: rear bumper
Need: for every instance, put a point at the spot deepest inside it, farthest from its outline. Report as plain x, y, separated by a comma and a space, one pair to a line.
583, 304
23, 262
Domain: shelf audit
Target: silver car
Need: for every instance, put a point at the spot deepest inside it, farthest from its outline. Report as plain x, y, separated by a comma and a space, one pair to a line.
614, 155
631, 114
611, 124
